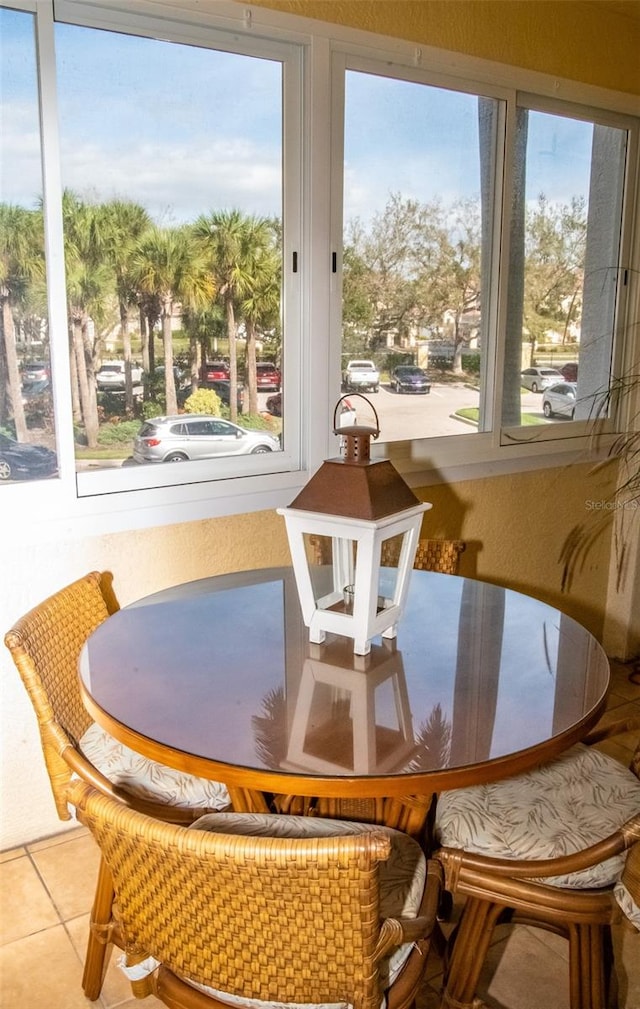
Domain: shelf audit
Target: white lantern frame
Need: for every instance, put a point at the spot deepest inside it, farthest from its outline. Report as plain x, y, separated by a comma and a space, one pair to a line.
367, 614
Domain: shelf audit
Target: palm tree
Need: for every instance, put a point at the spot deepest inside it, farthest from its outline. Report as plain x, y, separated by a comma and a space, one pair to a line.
89, 281
21, 263
168, 264
261, 306
229, 238
125, 223
433, 742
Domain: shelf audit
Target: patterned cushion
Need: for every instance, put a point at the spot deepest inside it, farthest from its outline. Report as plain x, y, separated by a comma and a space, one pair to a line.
627, 889
562, 807
402, 881
148, 779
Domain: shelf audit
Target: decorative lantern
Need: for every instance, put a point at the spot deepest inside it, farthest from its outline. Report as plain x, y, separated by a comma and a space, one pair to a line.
340, 526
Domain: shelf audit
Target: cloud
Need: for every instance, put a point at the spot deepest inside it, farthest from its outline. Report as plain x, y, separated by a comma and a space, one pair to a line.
21, 180
177, 182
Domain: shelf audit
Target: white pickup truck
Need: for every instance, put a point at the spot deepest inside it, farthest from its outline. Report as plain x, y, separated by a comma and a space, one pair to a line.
361, 376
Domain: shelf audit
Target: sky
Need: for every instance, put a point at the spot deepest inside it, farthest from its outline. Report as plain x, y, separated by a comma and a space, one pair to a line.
185, 130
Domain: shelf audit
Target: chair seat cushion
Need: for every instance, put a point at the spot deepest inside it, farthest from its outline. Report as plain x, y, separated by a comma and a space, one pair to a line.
563, 806
402, 882
147, 779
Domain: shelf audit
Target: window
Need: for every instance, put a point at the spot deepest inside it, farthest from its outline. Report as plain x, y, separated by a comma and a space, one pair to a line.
173, 214
240, 210
565, 253
27, 425
416, 159
424, 186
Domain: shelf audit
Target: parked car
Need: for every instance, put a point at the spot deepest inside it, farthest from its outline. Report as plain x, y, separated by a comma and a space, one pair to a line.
274, 404
569, 371
111, 376
268, 377
222, 387
215, 370
559, 400
348, 414
410, 378
197, 436
537, 379
37, 371
34, 390
361, 376
20, 461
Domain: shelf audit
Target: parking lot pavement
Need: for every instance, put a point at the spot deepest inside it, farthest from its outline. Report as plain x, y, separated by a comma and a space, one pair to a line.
430, 416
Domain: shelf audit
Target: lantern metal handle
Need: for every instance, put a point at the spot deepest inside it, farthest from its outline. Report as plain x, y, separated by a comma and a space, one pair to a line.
336, 430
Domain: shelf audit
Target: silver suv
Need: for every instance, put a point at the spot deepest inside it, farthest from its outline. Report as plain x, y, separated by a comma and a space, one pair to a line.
197, 436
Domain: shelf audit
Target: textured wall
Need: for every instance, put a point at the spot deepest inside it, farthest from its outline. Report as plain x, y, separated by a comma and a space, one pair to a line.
584, 40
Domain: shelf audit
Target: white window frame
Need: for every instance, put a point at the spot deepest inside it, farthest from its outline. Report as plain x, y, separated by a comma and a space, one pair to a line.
500, 449
312, 365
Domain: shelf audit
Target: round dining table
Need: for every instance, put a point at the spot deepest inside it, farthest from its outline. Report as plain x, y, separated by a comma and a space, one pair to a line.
218, 678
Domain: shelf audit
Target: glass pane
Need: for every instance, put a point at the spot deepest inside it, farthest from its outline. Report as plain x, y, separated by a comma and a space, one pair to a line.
27, 433
565, 243
172, 168
416, 245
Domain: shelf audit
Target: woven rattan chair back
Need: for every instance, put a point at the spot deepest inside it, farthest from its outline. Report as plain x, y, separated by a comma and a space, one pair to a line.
439, 555
45, 645
279, 919
432, 554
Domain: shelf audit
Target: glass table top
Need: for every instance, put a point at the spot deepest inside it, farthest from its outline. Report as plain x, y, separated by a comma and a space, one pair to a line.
222, 669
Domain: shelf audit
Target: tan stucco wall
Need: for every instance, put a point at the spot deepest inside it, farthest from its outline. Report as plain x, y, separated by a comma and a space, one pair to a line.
583, 40
515, 525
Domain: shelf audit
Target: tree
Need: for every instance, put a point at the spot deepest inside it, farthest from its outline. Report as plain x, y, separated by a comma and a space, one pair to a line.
168, 264
555, 242
89, 284
231, 241
21, 263
125, 222
261, 305
413, 264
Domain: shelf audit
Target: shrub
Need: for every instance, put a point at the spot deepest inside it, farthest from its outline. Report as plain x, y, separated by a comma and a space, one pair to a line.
203, 401
119, 434
151, 409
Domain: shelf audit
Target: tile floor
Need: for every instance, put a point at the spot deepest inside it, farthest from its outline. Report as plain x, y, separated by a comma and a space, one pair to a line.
47, 887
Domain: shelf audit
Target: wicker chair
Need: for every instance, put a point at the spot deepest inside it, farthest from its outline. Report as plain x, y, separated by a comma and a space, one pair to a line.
546, 848
431, 555
204, 914
45, 645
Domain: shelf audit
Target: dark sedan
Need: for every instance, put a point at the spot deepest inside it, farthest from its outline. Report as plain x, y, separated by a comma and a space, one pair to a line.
410, 378
20, 461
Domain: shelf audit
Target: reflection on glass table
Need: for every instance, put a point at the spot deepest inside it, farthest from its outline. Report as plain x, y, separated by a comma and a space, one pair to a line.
353, 717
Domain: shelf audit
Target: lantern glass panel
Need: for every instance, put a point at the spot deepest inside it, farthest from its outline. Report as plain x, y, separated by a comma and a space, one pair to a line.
333, 563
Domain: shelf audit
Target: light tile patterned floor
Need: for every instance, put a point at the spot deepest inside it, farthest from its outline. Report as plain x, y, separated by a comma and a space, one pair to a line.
47, 889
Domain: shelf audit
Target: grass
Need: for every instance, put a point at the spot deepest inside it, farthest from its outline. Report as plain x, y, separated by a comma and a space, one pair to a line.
471, 413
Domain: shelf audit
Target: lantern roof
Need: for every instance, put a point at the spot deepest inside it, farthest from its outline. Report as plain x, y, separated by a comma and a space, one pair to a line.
353, 486
362, 490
